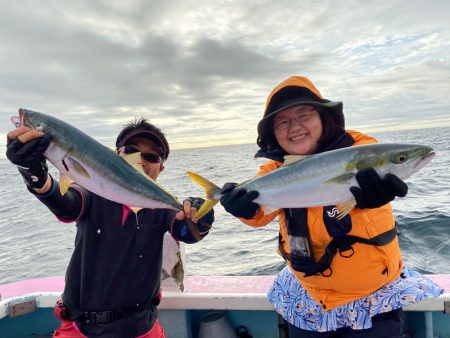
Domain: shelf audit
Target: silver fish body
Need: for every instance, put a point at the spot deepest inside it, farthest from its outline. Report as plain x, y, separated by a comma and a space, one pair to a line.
326, 178
94, 166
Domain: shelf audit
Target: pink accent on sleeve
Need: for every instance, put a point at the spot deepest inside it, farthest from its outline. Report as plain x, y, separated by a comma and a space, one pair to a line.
65, 220
125, 211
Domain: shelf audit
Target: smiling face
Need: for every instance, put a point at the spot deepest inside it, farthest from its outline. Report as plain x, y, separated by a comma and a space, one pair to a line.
298, 130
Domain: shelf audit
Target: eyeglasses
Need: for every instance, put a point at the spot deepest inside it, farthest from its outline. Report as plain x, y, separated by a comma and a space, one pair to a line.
149, 157
301, 116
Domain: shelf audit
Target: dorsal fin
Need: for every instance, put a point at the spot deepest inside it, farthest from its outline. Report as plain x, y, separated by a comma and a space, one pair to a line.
135, 161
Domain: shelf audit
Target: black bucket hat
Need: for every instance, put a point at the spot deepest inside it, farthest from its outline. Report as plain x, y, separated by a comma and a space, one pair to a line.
294, 91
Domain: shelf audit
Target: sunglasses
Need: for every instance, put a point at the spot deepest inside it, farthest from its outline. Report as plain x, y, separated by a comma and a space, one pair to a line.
149, 157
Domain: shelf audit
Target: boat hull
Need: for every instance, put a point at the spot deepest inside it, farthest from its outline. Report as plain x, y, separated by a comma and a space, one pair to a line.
241, 298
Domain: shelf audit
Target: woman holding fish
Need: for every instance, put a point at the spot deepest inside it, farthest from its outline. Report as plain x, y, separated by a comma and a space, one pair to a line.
113, 279
344, 274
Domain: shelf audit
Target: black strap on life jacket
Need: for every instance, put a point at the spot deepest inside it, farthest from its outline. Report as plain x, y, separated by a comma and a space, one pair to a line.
339, 244
301, 251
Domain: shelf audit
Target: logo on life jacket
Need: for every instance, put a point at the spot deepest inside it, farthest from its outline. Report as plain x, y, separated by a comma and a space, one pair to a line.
336, 227
333, 213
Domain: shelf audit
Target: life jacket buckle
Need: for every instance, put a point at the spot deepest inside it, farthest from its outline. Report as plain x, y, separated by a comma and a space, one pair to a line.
347, 255
102, 317
329, 273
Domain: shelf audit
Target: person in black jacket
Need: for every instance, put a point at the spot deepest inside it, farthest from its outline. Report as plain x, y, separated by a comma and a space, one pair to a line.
113, 279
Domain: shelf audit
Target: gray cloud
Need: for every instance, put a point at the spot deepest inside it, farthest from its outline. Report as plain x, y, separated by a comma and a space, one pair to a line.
202, 70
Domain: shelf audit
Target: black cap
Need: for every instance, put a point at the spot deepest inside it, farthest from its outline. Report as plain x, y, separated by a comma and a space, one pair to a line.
145, 130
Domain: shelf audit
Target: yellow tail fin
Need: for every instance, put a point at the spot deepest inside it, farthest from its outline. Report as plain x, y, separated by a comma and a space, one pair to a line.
212, 192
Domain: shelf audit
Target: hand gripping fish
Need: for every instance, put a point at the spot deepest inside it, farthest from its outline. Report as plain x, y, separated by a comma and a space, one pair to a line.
324, 179
81, 159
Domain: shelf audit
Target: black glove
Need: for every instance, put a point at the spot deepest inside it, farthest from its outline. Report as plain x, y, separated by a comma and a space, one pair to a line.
374, 191
238, 202
197, 202
196, 230
29, 159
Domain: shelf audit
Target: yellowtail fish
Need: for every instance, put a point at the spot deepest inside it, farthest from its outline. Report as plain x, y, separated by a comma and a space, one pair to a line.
81, 159
324, 179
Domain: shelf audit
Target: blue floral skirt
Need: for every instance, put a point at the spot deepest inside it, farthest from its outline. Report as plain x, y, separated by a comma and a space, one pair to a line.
297, 307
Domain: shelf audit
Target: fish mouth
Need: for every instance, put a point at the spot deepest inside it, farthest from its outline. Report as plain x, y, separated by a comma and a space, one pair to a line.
18, 121
22, 117
427, 157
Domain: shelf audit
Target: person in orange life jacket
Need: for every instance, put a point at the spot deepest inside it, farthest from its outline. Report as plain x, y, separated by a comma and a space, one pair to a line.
113, 279
330, 278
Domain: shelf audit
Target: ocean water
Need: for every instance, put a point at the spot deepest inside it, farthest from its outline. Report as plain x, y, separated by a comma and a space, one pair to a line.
34, 244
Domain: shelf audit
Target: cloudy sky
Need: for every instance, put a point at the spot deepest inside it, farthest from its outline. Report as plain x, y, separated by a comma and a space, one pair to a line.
202, 70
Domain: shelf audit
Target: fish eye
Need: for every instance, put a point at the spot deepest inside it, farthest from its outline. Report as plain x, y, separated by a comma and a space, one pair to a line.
401, 158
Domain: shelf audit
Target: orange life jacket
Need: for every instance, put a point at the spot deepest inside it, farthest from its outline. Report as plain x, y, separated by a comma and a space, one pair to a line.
366, 270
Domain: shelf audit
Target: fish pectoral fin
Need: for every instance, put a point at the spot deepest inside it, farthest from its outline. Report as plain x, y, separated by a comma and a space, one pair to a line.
76, 166
70, 164
268, 209
345, 208
289, 159
340, 179
64, 183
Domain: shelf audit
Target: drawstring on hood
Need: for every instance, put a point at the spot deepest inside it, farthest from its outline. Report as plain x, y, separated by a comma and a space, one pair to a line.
296, 90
